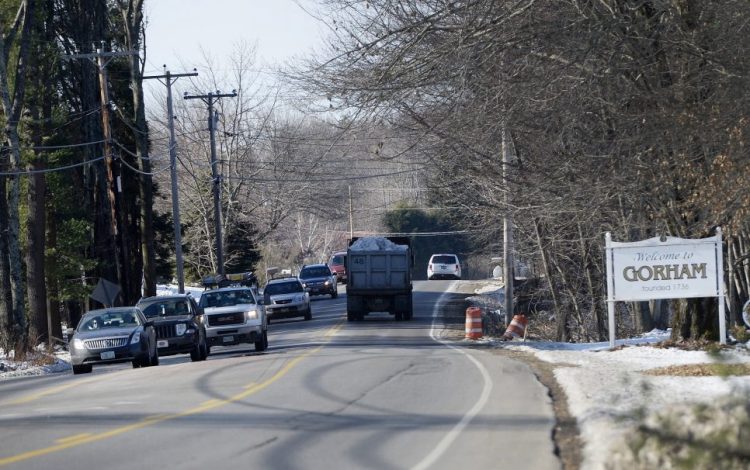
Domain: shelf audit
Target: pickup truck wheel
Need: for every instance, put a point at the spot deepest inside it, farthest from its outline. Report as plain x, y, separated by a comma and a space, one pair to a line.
334, 294
308, 314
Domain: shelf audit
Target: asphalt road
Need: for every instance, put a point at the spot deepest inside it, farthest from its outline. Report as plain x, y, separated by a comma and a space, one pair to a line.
327, 394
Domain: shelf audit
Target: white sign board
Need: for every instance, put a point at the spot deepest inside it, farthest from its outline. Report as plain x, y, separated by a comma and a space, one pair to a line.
655, 269
665, 268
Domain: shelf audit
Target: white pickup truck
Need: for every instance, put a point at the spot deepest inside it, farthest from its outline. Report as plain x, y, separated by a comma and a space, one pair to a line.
234, 315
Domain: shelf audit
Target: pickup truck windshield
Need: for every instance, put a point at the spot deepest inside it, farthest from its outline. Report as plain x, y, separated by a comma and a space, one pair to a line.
227, 298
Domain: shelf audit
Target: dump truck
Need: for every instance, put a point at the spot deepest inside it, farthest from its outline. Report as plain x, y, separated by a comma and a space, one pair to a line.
379, 277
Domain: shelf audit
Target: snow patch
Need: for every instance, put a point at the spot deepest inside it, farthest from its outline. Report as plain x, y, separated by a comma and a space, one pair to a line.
376, 244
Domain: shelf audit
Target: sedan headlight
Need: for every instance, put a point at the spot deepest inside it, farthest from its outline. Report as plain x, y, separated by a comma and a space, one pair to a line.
328, 283
136, 338
78, 343
299, 298
181, 327
251, 315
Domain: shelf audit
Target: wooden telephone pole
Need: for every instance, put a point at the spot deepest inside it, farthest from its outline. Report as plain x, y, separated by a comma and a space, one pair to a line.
168, 79
209, 99
114, 182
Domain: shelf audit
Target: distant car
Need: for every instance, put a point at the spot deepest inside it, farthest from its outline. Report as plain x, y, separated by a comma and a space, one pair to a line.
179, 325
318, 279
117, 334
233, 315
286, 298
443, 266
337, 263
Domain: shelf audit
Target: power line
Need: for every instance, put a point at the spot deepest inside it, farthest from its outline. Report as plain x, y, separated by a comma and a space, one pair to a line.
51, 170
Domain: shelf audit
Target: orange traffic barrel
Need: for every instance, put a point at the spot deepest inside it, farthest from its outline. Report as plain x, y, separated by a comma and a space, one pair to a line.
517, 327
473, 323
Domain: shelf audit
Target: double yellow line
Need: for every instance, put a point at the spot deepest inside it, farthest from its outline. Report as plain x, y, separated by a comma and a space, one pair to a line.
87, 438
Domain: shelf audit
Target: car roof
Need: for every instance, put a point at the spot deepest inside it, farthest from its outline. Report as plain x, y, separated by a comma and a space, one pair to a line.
282, 280
316, 265
443, 254
158, 298
112, 309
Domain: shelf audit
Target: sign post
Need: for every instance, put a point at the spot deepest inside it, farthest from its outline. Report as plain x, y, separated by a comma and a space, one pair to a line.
664, 268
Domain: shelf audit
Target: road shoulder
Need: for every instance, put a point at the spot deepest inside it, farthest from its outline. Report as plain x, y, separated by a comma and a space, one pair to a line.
566, 435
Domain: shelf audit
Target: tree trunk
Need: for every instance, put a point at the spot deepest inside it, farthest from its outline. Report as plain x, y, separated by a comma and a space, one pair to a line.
53, 295
37, 292
695, 319
561, 316
133, 18
12, 102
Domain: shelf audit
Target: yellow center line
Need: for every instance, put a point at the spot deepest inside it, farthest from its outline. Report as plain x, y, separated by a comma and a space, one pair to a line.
81, 439
77, 437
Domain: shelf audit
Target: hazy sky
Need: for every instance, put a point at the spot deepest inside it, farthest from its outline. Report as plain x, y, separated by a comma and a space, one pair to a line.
177, 30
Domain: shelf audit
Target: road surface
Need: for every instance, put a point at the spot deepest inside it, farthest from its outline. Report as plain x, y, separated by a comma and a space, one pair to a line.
327, 394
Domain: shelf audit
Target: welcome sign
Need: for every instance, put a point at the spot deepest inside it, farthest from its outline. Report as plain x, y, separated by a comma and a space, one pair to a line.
664, 268
655, 269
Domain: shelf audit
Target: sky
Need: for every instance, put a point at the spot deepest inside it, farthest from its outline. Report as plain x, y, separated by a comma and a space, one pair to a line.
603, 387
179, 31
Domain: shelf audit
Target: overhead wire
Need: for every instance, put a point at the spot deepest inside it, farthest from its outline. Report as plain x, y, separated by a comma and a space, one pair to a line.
51, 170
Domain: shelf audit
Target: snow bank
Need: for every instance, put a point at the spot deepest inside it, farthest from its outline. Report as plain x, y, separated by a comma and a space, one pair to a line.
376, 244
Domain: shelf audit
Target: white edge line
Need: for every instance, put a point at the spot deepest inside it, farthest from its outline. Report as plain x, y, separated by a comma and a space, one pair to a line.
451, 436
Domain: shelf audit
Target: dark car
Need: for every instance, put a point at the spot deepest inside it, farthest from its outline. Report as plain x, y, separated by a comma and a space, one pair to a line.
179, 326
286, 298
318, 279
108, 335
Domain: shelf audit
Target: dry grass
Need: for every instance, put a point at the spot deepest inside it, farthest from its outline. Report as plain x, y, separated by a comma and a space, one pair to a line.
702, 370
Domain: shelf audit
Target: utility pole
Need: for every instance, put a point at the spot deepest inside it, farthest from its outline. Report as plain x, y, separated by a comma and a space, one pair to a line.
508, 274
114, 181
209, 99
351, 215
168, 80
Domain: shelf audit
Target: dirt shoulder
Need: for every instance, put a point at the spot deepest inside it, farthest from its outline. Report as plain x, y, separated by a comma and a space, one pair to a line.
565, 435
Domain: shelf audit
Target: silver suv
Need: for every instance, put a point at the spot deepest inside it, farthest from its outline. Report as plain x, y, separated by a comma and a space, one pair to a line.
233, 315
286, 298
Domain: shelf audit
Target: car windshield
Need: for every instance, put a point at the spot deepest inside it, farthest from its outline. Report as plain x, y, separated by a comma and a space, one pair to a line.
108, 319
444, 259
165, 308
314, 272
283, 288
338, 259
227, 298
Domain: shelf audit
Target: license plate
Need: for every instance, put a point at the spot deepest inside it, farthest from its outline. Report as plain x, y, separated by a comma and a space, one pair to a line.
162, 343
108, 355
227, 339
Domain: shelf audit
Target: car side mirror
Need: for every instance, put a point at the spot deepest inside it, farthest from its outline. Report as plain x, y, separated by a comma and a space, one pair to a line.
260, 302
69, 332
148, 323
